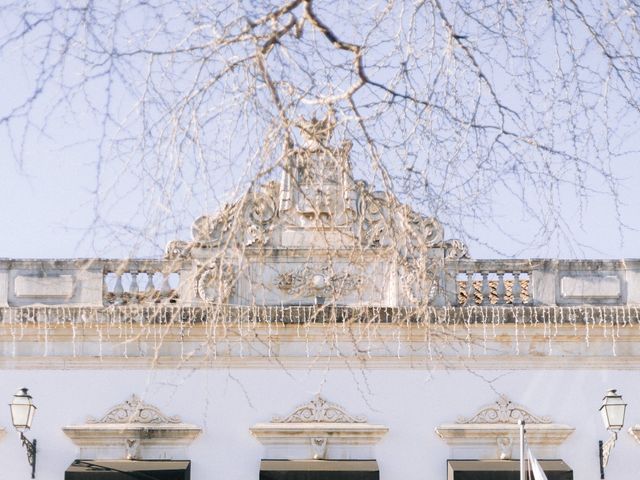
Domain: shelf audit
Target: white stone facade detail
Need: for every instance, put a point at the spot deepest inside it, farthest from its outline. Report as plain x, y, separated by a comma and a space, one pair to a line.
133, 430
493, 432
319, 429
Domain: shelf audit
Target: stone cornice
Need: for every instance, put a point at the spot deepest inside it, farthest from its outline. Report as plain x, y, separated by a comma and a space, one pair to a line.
474, 434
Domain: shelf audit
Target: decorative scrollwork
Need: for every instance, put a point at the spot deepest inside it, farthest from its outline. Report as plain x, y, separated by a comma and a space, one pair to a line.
455, 249
318, 410
177, 249
134, 410
310, 281
216, 282
419, 283
504, 411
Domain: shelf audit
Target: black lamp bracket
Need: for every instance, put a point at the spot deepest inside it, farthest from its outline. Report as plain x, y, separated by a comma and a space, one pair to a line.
31, 452
605, 451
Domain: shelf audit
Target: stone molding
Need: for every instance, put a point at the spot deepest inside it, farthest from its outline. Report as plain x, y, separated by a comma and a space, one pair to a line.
634, 431
132, 429
493, 432
319, 425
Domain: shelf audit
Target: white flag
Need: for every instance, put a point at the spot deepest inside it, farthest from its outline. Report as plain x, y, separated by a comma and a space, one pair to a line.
536, 469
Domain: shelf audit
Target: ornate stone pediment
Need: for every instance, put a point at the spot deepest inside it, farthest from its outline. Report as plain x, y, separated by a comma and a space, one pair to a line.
316, 233
132, 429
493, 432
503, 411
319, 410
320, 429
134, 410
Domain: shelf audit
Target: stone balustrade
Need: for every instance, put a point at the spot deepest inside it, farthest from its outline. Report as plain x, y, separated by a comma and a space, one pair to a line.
543, 282
466, 283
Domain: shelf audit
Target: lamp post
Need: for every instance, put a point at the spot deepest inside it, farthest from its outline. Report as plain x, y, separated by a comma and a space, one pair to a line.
612, 411
22, 412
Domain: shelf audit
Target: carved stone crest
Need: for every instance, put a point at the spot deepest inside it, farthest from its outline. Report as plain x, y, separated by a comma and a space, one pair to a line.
503, 411
134, 410
322, 281
318, 410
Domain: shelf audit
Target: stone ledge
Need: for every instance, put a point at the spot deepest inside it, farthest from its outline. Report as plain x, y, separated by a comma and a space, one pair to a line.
303, 433
537, 434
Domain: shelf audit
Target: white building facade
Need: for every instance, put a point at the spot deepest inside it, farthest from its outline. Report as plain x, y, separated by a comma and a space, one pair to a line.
318, 327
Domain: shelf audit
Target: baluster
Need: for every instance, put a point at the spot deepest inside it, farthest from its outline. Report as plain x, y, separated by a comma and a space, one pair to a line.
517, 297
118, 289
165, 288
526, 294
500, 290
486, 297
105, 284
134, 289
471, 300
150, 288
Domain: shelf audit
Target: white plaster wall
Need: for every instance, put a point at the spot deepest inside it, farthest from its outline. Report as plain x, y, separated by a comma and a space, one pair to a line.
226, 403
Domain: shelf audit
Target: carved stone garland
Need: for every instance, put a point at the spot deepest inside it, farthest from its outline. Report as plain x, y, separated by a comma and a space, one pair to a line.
216, 282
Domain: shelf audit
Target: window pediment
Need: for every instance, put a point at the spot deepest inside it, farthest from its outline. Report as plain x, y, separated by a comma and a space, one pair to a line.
132, 429
318, 425
493, 432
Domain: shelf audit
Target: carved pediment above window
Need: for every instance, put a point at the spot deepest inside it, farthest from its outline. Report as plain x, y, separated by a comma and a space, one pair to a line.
132, 429
493, 432
504, 411
319, 410
134, 410
318, 428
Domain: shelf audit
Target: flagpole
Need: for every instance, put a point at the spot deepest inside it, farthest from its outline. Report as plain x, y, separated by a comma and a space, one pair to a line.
522, 467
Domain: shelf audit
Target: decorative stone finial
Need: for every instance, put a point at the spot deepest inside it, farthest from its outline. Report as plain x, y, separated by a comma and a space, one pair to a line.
317, 132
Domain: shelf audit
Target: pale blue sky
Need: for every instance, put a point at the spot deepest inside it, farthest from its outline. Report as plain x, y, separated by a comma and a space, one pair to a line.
51, 208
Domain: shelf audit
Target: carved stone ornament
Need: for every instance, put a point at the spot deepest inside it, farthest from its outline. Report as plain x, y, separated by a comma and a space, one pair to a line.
216, 282
312, 281
493, 432
419, 283
504, 411
318, 410
456, 249
177, 249
132, 429
317, 131
134, 410
315, 428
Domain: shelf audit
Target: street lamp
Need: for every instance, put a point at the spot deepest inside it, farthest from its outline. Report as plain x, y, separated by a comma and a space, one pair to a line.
612, 411
22, 412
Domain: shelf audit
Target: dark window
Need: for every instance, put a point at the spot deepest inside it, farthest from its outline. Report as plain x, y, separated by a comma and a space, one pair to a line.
319, 470
129, 470
503, 470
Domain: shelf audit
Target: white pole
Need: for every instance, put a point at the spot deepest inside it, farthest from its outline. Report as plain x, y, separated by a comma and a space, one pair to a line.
523, 475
